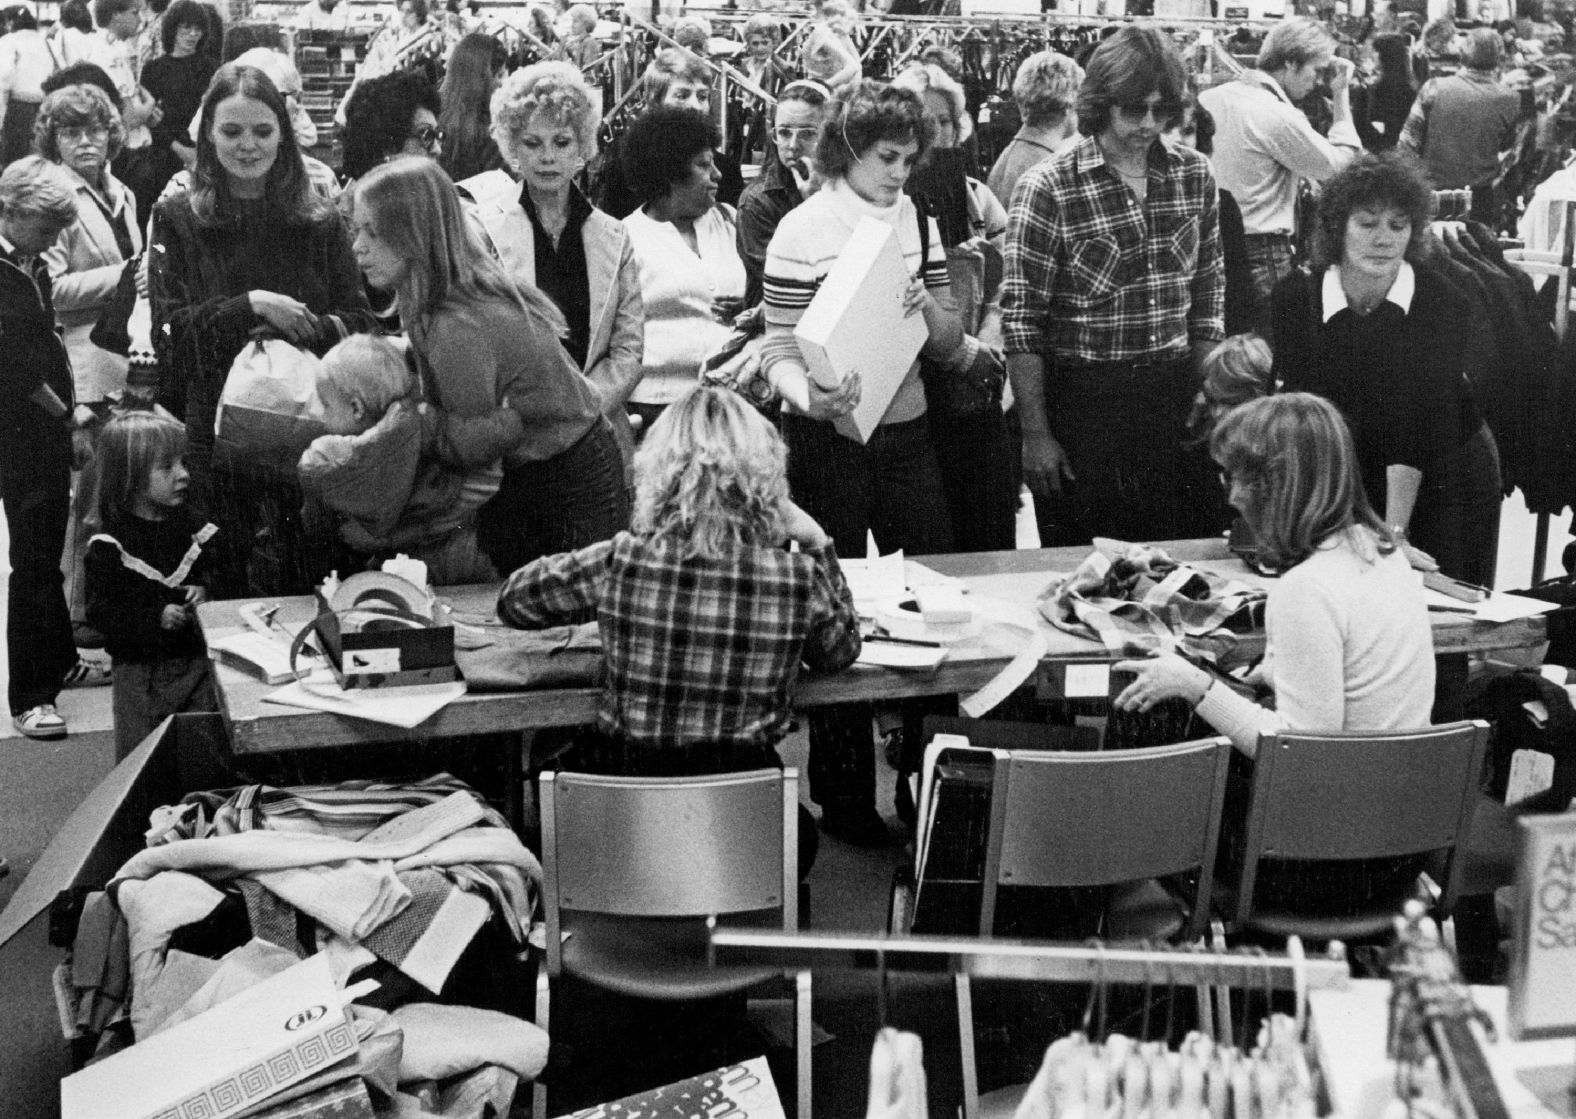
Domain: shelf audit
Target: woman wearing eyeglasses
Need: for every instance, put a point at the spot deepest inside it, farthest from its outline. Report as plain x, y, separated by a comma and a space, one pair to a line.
79, 128
390, 116
787, 179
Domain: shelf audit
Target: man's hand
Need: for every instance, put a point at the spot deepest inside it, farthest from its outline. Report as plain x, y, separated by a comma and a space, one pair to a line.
1045, 464
1341, 71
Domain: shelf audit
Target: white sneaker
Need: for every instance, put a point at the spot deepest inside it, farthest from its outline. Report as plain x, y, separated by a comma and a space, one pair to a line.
42, 721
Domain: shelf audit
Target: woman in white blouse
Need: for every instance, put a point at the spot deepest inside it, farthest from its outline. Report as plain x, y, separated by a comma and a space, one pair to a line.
691, 276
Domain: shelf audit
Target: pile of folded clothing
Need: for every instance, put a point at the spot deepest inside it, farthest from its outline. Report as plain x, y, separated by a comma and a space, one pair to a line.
418, 895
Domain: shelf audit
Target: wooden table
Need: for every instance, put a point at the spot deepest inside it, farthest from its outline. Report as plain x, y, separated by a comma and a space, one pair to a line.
1011, 577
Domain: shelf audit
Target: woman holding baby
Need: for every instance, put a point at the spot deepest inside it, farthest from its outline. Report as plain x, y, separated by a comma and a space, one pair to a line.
495, 380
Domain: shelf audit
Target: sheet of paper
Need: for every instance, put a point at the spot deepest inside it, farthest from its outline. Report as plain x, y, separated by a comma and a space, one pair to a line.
400, 707
1497, 607
1087, 681
887, 655
876, 578
918, 575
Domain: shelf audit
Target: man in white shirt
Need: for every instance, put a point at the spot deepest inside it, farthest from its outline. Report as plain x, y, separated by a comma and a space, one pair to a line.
1264, 145
322, 15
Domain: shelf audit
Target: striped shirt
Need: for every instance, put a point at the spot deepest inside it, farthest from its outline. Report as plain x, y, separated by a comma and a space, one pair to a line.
700, 652
802, 252
1095, 275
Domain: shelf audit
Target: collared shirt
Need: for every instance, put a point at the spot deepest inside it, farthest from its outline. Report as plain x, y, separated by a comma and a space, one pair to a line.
700, 652
1400, 293
561, 270
1095, 275
1264, 146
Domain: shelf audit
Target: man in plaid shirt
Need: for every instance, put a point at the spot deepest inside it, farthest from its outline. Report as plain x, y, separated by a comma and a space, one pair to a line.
1114, 292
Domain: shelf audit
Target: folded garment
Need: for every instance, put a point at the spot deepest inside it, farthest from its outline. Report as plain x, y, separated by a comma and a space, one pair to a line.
444, 1041
154, 909
352, 897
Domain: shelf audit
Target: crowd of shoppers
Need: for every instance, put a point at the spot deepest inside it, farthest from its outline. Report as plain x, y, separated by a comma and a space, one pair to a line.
563, 300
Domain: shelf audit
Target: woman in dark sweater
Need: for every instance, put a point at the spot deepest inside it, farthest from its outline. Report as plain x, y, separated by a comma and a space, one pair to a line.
177, 80
1387, 343
250, 247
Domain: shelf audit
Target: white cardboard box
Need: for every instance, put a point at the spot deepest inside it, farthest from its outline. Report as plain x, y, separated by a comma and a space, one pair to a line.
856, 321
225, 1060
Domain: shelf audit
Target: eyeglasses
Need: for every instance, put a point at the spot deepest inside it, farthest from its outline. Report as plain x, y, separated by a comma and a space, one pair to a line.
1136, 112
786, 135
427, 136
76, 134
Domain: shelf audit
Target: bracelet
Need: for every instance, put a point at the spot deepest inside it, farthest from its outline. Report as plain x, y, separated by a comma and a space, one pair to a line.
1399, 532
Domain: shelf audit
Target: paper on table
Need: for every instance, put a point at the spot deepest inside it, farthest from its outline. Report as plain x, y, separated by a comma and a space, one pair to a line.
876, 578
1020, 668
888, 655
1497, 607
399, 707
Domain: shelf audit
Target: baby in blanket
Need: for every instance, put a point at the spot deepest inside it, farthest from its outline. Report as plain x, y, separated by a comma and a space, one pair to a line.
368, 472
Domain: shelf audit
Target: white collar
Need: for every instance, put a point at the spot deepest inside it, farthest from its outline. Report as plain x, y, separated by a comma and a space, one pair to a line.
1400, 292
850, 207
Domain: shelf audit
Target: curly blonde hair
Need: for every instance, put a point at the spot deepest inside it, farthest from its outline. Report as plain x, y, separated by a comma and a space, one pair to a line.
712, 475
556, 89
77, 106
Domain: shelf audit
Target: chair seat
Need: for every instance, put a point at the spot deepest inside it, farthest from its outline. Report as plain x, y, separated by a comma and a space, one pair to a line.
1357, 926
651, 959
1142, 911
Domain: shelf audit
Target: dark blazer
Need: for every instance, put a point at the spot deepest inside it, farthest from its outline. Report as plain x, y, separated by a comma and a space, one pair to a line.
32, 353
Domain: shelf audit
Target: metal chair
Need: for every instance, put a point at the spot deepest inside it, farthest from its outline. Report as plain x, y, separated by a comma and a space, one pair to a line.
1346, 797
1080, 818
633, 867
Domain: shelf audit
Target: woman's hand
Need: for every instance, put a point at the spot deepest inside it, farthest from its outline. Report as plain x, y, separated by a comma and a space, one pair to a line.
799, 525
1166, 676
829, 403
1419, 559
195, 596
173, 616
916, 297
805, 176
726, 308
288, 316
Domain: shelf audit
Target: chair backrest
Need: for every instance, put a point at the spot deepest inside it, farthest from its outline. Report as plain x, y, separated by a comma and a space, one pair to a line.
1073, 818
1338, 797
670, 846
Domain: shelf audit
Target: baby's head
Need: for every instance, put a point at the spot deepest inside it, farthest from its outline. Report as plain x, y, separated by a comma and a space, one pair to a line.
358, 381
1235, 372
712, 474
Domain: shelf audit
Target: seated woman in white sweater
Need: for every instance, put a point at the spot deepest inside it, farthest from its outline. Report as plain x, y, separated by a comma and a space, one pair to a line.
1349, 646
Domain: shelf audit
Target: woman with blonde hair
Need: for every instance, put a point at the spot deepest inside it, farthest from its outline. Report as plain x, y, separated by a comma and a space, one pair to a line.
706, 615
497, 382
1349, 646
549, 235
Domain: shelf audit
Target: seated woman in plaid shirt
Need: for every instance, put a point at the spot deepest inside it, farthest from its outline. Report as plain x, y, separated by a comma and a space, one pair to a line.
705, 615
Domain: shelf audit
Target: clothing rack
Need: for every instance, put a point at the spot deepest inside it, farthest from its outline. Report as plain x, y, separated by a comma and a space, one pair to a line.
1043, 961
1452, 205
1557, 265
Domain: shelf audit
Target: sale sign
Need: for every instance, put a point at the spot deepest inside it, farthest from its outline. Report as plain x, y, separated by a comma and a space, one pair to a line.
1543, 960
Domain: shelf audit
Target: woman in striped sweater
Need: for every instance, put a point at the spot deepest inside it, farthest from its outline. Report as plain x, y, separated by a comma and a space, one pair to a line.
890, 484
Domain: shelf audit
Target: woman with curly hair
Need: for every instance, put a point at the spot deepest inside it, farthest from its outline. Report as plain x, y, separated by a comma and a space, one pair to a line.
686, 247
177, 79
705, 614
890, 484
497, 383
475, 68
1385, 338
250, 247
396, 114
544, 119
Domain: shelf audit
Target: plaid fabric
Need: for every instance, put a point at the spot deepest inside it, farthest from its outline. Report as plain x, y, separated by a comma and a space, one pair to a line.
698, 650
1095, 276
1145, 600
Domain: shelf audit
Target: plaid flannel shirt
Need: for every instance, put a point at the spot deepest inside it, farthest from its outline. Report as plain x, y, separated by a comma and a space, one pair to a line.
1096, 276
700, 652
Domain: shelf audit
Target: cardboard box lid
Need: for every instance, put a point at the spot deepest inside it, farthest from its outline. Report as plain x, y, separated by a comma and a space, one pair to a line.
106, 827
228, 1058
856, 321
